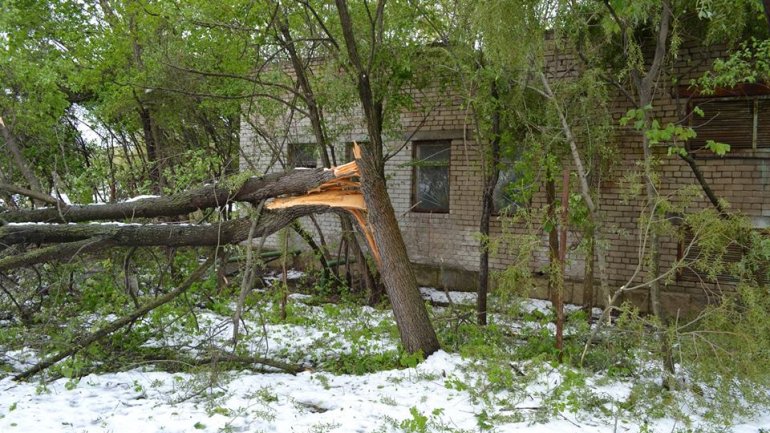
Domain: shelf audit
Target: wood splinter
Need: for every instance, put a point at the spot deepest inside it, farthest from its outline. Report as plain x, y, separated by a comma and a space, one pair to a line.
344, 192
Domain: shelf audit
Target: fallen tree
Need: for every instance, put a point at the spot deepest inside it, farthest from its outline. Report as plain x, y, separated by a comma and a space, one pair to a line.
252, 190
62, 231
321, 190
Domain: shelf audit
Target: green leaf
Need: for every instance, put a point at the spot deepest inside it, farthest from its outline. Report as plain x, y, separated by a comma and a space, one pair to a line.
677, 150
718, 148
697, 110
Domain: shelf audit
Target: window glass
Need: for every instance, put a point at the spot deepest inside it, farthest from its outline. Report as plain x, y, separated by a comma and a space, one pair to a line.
303, 155
504, 197
431, 177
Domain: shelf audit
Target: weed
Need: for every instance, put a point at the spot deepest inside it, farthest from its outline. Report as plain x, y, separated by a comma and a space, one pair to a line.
323, 380
323, 427
265, 395
418, 423
388, 400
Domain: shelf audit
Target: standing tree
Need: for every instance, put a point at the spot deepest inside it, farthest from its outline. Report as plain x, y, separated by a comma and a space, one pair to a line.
414, 325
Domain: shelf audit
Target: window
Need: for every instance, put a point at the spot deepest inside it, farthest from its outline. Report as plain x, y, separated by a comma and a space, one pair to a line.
430, 176
743, 122
303, 155
505, 195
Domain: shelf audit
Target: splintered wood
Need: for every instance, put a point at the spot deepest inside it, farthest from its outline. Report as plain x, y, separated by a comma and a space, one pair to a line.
344, 192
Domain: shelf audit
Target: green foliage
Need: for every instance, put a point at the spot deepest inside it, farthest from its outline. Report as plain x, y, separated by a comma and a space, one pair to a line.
725, 350
674, 135
747, 64
418, 423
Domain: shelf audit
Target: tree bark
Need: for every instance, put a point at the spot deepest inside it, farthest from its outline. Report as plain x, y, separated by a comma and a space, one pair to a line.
553, 234
588, 274
252, 190
23, 226
559, 304
414, 325
36, 195
79, 238
710, 194
492, 174
151, 146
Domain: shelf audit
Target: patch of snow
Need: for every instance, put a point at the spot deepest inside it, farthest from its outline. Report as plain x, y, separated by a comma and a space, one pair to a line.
530, 306
140, 197
439, 296
141, 401
291, 274
300, 296
20, 359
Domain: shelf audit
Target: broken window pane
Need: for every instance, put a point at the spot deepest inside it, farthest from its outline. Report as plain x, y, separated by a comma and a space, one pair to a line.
505, 196
431, 177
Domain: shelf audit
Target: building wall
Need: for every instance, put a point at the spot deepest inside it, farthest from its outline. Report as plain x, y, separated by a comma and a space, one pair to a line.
449, 241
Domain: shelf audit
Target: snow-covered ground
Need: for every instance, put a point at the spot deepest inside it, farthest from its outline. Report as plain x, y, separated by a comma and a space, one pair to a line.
425, 398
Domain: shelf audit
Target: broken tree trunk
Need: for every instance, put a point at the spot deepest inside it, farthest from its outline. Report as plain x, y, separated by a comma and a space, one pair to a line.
23, 226
417, 333
253, 190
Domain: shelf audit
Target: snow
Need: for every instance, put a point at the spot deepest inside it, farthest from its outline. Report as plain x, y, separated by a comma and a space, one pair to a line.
20, 359
291, 274
441, 297
138, 401
140, 197
145, 399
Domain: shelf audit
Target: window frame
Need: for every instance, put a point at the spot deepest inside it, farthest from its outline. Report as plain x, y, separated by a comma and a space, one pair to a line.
415, 203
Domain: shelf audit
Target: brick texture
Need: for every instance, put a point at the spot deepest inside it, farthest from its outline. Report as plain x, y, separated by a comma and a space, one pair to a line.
450, 239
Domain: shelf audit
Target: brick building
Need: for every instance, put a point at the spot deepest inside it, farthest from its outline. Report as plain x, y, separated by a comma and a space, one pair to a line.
438, 205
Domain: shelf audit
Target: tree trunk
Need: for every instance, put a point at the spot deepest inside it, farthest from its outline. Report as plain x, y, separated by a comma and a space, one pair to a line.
151, 146
645, 91
18, 157
81, 238
585, 192
553, 235
559, 303
253, 190
588, 273
492, 174
414, 325
396, 272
